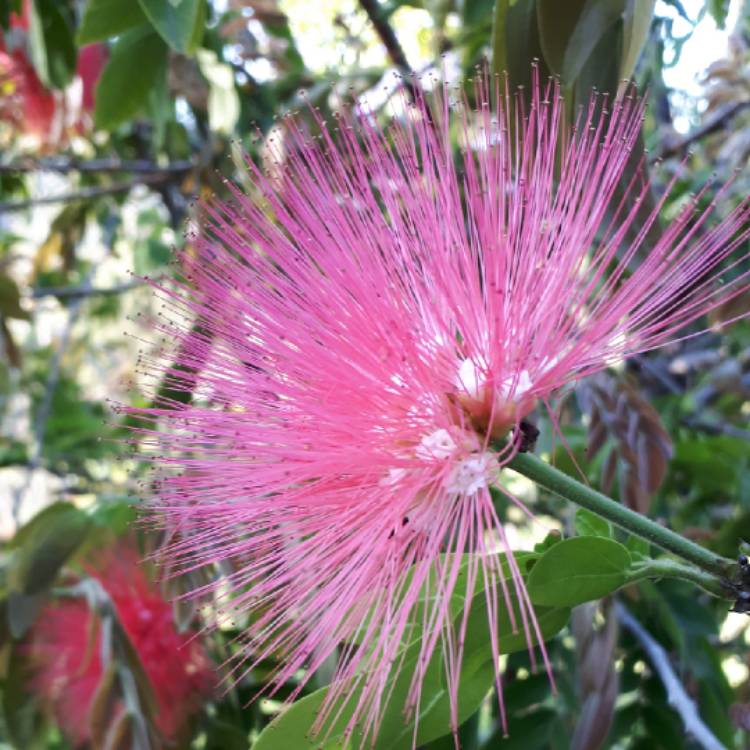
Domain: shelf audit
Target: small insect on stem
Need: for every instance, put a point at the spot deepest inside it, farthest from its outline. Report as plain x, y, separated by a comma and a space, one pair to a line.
741, 586
526, 436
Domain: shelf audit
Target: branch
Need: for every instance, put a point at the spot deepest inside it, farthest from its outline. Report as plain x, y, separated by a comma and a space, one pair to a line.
568, 488
45, 407
77, 292
677, 696
718, 121
716, 428
377, 16
65, 165
666, 568
85, 193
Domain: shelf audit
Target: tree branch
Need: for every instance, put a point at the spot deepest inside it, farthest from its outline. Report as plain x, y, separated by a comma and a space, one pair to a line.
388, 38
65, 165
569, 489
677, 696
718, 121
716, 428
85, 193
77, 292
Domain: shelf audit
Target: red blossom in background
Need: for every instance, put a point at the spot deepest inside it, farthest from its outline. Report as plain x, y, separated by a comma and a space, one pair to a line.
32, 109
67, 665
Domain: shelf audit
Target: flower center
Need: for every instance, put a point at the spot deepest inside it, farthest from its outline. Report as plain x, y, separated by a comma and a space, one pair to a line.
470, 474
491, 407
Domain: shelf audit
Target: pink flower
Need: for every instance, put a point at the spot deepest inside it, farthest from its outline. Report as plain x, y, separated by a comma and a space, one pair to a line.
360, 330
67, 665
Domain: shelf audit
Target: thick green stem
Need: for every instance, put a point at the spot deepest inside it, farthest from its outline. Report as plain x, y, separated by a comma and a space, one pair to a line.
568, 488
665, 568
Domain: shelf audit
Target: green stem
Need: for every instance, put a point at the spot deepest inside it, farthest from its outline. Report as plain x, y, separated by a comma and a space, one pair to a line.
568, 488
665, 568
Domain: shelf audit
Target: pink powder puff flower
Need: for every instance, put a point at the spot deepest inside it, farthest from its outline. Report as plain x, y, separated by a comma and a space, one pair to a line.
360, 330
66, 668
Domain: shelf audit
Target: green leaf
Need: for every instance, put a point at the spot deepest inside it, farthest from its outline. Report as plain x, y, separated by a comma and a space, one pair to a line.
719, 9
556, 25
179, 22
52, 50
589, 524
578, 570
122, 90
638, 15
532, 730
515, 41
639, 548
44, 545
10, 299
22, 724
103, 19
22, 610
596, 19
292, 728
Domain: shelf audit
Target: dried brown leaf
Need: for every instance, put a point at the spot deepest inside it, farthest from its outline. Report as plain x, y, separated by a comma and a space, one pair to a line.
642, 445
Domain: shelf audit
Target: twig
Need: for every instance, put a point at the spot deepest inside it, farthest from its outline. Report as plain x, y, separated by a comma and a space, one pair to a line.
136, 166
718, 121
53, 376
85, 193
43, 412
566, 487
677, 696
716, 428
658, 373
383, 29
76, 292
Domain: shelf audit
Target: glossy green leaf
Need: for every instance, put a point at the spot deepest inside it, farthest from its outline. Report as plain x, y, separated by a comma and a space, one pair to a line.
639, 548
120, 93
104, 19
523, 560
578, 570
515, 41
532, 730
44, 545
22, 724
178, 22
638, 15
21, 611
557, 22
52, 48
596, 19
589, 524
292, 728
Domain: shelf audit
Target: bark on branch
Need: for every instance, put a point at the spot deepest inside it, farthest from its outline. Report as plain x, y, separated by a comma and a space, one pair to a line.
677, 696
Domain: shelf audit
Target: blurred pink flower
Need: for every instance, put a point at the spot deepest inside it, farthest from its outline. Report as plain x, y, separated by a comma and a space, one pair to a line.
357, 333
67, 665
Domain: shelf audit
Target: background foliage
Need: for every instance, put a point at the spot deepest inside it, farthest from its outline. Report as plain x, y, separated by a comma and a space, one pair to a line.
117, 115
